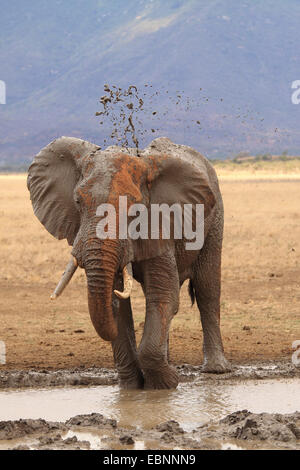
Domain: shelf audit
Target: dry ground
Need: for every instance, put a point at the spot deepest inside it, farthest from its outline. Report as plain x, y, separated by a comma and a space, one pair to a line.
260, 298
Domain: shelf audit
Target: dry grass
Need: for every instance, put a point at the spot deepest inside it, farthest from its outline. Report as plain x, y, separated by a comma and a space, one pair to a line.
260, 282
251, 170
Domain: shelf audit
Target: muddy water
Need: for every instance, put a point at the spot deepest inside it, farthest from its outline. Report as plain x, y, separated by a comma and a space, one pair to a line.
192, 404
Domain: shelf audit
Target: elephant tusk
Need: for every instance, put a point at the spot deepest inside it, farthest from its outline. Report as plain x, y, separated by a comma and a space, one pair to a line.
66, 278
128, 282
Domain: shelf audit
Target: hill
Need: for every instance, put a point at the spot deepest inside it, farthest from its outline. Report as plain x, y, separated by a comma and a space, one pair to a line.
232, 63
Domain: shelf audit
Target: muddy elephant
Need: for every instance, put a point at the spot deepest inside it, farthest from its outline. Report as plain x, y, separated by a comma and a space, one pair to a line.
69, 180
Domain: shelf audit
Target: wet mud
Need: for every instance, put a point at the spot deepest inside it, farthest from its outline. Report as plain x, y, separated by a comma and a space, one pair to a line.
239, 430
252, 407
102, 376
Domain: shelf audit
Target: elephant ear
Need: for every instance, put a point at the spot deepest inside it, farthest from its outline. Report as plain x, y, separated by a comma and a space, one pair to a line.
175, 180
52, 177
179, 181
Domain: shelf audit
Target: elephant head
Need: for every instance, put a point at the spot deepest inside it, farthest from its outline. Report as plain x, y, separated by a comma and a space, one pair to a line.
70, 178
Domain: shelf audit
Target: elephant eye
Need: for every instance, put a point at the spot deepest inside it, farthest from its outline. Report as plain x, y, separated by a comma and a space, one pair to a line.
77, 201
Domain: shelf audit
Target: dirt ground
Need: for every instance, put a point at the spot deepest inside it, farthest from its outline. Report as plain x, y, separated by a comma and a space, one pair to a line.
260, 294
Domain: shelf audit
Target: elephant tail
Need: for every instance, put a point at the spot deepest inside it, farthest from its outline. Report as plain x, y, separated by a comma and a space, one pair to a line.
192, 291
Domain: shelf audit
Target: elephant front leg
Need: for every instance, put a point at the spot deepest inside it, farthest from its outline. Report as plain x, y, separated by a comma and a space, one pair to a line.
124, 348
161, 288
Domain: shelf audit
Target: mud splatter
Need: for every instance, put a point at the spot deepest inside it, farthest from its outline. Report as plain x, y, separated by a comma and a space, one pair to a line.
121, 107
131, 116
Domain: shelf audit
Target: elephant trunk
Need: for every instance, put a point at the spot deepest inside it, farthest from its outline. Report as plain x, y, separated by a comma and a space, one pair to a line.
101, 266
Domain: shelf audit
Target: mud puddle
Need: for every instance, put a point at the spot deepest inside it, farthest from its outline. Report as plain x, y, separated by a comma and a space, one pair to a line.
191, 404
196, 415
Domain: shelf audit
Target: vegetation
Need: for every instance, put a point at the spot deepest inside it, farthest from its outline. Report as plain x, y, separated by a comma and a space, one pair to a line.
280, 164
6, 168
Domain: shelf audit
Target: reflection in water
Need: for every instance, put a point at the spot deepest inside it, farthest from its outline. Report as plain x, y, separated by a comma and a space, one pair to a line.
191, 404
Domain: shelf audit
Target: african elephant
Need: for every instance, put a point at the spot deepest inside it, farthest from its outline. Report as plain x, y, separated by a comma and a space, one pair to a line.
69, 179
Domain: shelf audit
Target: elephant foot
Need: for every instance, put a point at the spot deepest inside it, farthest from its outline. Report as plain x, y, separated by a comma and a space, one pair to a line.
165, 378
216, 365
131, 381
131, 385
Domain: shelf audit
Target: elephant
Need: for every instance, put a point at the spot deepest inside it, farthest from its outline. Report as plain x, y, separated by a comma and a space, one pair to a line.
68, 180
